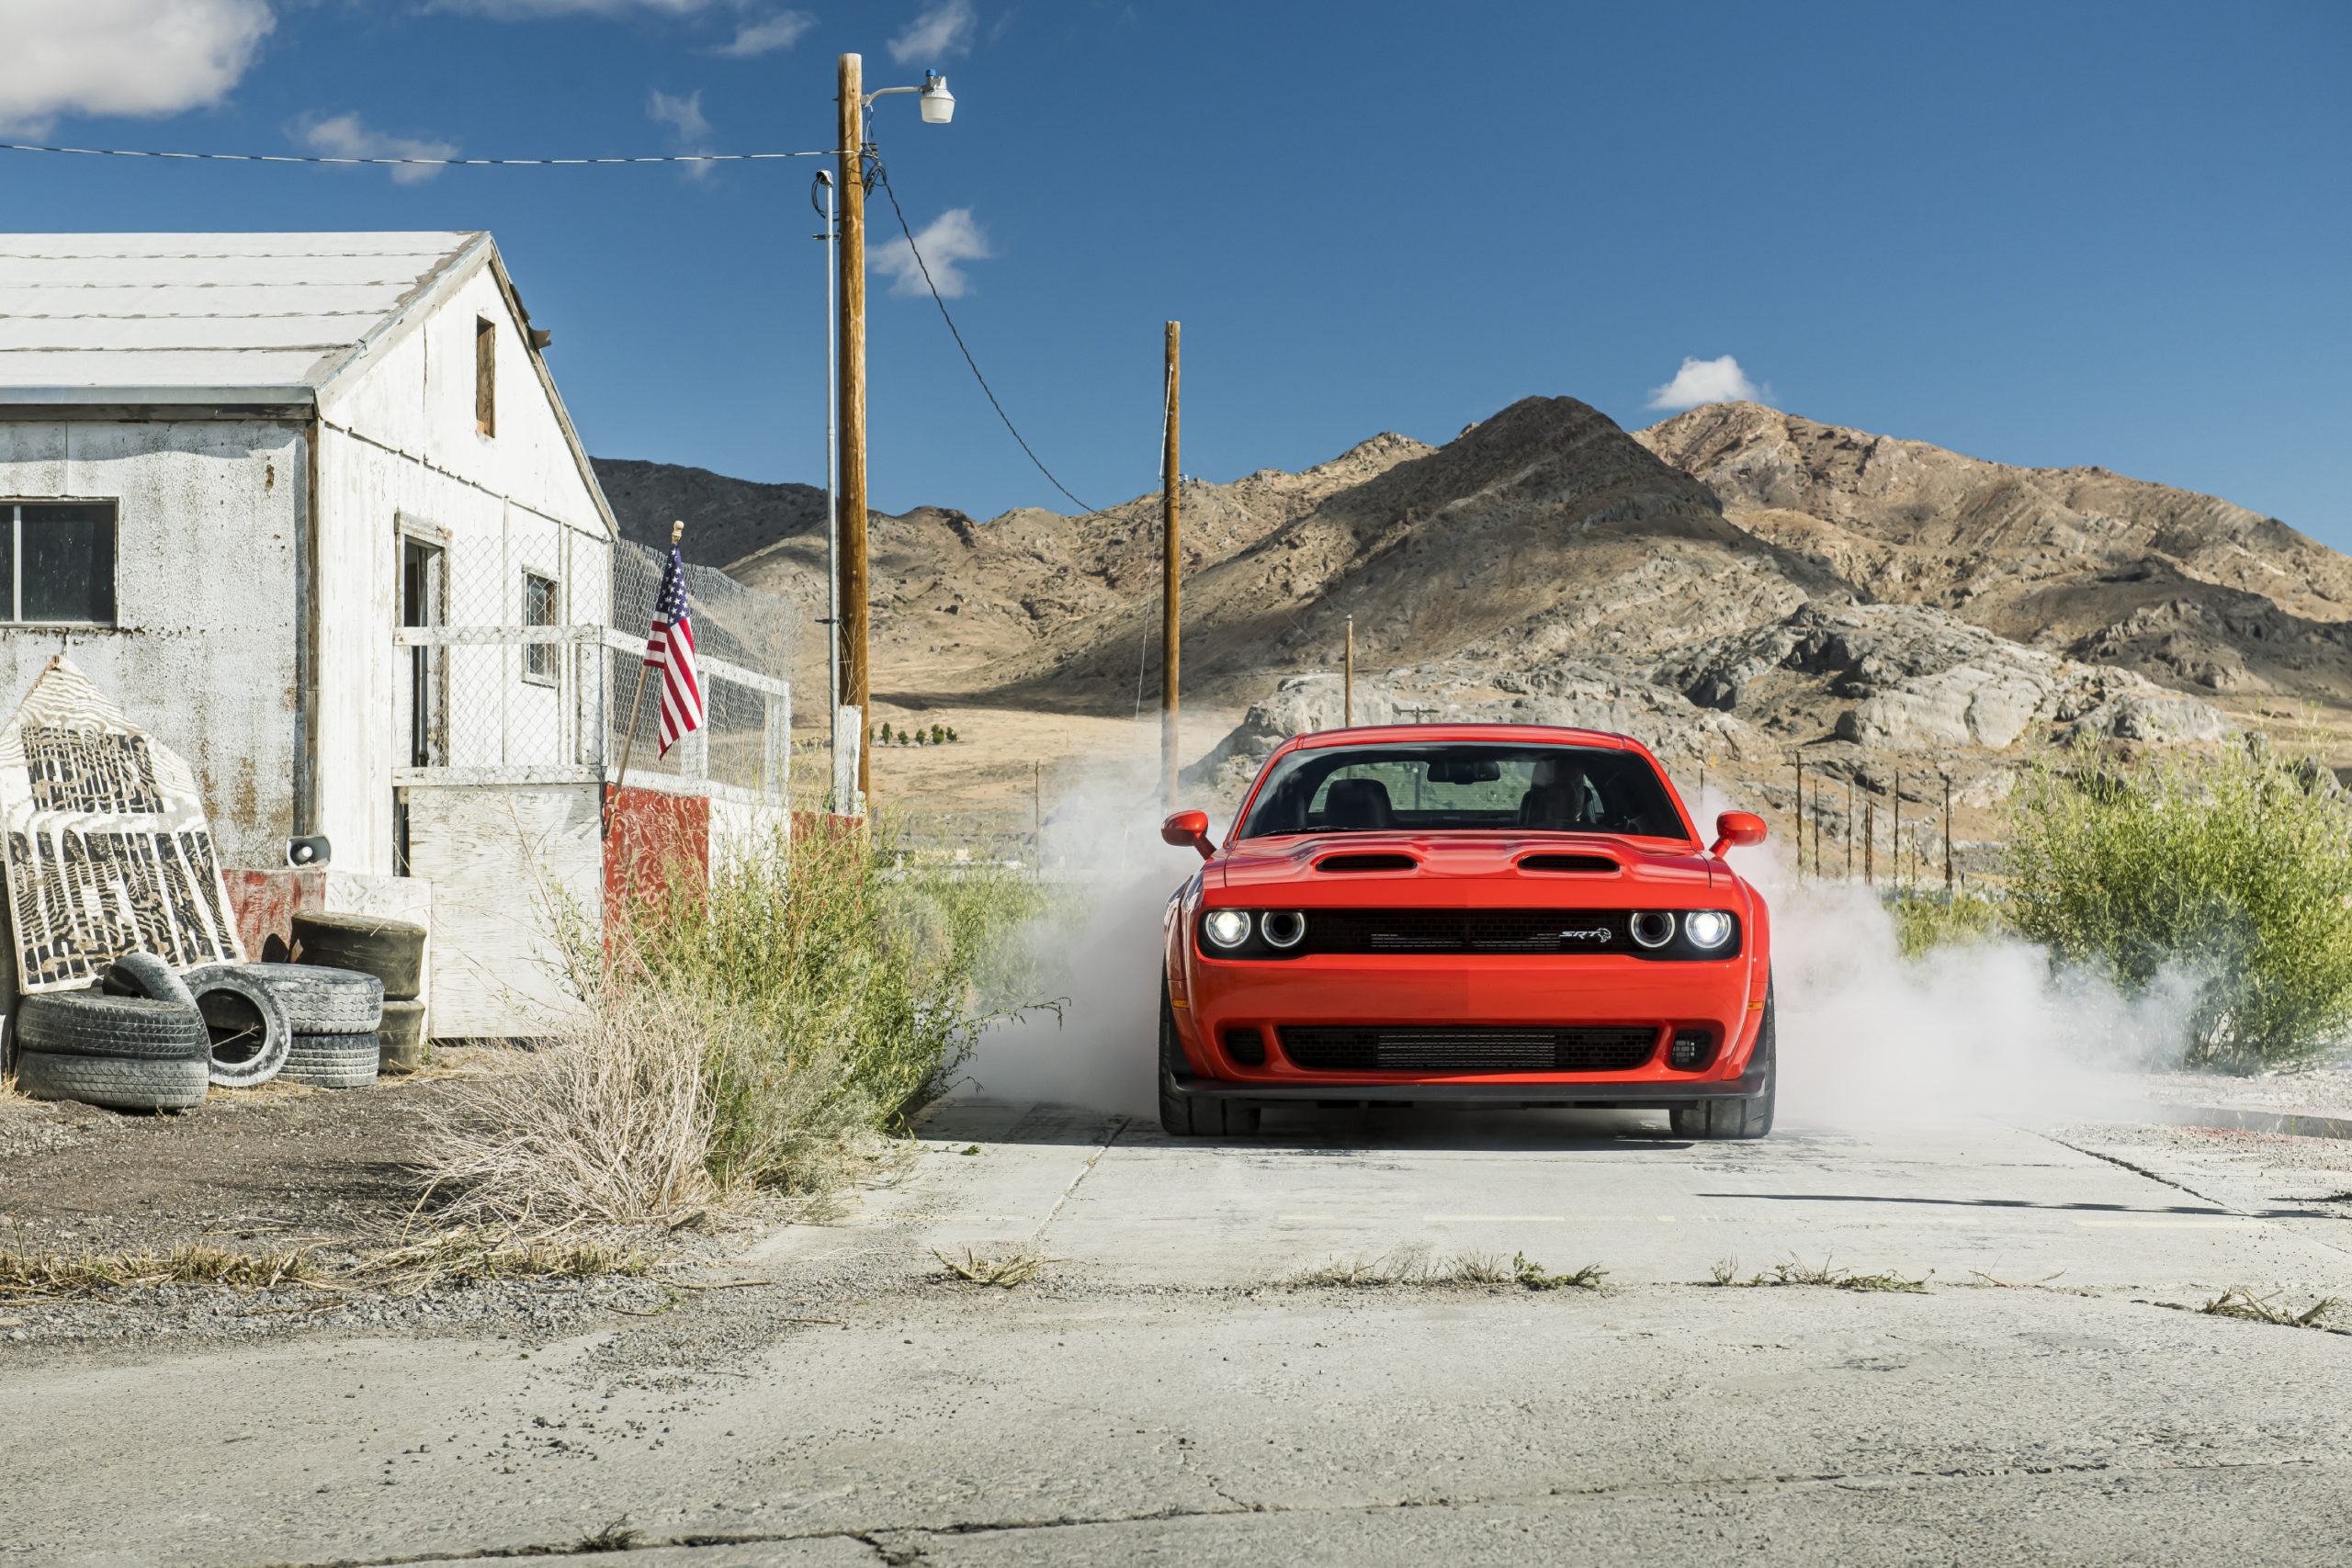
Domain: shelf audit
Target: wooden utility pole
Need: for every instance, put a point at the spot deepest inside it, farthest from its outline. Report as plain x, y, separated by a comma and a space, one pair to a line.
1870, 840
1348, 680
1799, 765
1849, 829
1894, 837
850, 649
1947, 836
1171, 568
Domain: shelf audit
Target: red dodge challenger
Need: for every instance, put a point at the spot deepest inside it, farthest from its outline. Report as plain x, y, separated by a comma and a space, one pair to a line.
1503, 915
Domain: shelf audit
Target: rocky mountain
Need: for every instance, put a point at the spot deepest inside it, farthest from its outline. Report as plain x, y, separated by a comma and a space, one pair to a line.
1734, 585
726, 518
2190, 591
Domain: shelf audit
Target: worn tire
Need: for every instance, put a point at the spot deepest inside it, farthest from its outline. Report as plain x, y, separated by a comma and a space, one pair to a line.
1738, 1117
401, 1038
123, 1083
89, 1024
332, 1061
392, 951
320, 1000
234, 1005
146, 975
1181, 1117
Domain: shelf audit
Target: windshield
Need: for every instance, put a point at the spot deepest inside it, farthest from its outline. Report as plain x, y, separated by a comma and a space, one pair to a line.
1363, 789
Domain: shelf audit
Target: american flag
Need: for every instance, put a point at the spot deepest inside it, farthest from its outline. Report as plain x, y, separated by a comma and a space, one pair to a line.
670, 649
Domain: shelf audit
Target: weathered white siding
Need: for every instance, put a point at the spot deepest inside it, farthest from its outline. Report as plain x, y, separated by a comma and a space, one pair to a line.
399, 451
203, 652
506, 865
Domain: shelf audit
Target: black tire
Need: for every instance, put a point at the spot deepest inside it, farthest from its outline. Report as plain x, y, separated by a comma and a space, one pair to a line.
146, 975
320, 1000
402, 1039
1738, 1117
121, 1083
392, 951
332, 1061
246, 1024
1181, 1116
89, 1024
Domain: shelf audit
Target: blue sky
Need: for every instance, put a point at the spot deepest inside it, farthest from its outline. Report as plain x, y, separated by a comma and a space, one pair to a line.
2118, 235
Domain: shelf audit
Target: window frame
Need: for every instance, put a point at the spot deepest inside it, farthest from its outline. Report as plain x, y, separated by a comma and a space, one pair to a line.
552, 675
485, 376
13, 506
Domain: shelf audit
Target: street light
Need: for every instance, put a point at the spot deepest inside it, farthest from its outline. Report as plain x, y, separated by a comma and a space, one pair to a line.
850, 649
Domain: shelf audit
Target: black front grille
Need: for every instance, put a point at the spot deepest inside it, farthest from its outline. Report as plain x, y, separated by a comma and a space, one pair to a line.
1468, 1050
1467, 931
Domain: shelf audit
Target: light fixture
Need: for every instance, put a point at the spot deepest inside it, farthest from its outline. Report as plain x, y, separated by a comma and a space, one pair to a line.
1283, 928
938, 104
1707, 928
1653, 928
1227, 928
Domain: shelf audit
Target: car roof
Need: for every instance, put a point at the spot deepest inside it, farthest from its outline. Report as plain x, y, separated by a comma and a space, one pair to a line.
1440, 734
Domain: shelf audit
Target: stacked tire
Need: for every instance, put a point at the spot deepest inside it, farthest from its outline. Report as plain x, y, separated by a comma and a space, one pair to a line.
330, 1015
134, 1053
392, 952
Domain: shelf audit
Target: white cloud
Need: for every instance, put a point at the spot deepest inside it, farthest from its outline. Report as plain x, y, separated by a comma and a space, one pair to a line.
532, 10
348, 136
933, 35
689, 128
945, 241
779, 31
125, 57
1705, 381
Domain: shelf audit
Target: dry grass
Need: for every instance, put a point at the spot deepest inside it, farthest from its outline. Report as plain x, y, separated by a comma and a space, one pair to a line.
1824, 1275
1003, 1270
442, 1258
1418, 1267
2238, 1302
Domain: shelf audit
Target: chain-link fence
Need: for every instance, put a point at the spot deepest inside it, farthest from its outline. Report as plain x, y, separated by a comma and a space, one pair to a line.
518, 658
742, 641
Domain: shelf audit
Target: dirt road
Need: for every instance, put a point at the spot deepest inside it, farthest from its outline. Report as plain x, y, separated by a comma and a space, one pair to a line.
1161, 1394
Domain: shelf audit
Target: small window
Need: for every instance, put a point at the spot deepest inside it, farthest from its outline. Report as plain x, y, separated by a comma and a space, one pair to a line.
58, 566
485, 375
542, 606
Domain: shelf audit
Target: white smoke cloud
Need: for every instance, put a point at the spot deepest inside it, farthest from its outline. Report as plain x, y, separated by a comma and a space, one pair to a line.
122, 57
943, 30
348, 136
946, 242
1705, 381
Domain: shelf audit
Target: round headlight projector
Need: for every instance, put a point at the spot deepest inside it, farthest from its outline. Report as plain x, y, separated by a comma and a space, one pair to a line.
1653, 928
1227, 928
1283, 928
1707, 928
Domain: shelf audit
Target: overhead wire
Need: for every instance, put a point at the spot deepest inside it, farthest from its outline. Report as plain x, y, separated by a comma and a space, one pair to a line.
408, 162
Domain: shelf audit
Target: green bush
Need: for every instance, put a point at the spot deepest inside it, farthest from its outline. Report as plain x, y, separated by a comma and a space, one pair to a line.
1926, 921
2232, 873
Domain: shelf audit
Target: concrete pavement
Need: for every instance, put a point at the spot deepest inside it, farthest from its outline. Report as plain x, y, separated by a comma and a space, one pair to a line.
1161, 1395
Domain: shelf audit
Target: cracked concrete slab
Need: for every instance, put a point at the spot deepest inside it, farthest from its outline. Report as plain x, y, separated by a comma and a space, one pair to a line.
1159, 1396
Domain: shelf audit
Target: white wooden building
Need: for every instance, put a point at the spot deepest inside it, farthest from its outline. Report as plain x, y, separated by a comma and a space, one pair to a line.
310, 507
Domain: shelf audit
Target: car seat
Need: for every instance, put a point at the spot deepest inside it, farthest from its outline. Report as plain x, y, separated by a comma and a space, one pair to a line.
1358, 804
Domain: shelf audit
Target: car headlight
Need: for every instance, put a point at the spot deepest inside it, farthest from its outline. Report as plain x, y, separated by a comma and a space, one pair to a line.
1707, 928
1283, 928
1653, 928
1227, 928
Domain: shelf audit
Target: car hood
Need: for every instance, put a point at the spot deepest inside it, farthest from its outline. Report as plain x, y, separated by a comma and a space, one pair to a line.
1474, 866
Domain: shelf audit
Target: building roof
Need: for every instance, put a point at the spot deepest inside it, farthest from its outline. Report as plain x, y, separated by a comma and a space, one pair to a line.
131, 318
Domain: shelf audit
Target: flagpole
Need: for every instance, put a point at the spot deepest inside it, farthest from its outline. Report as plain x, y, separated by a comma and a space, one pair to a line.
628, 737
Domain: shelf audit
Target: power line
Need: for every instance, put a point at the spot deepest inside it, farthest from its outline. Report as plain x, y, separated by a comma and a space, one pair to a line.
426, 163
883, 175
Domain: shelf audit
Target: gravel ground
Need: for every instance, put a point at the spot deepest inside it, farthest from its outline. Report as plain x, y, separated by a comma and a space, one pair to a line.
2318, 1091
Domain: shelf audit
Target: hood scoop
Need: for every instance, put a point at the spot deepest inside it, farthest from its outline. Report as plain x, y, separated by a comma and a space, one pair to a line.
1603, 863
1367, 861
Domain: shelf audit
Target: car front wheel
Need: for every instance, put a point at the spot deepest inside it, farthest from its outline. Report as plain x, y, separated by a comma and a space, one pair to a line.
1181, 1116
1736, 1118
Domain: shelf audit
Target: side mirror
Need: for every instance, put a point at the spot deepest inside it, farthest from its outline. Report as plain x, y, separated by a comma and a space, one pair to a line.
1189, 829
1744, 829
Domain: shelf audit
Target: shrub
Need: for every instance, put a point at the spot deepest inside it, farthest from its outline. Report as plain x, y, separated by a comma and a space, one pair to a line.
764, 1028
1926, 921
883, 734
2229, 873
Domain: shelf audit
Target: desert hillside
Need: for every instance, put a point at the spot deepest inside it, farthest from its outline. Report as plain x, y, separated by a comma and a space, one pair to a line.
1735, 584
